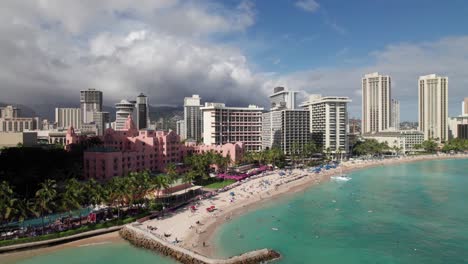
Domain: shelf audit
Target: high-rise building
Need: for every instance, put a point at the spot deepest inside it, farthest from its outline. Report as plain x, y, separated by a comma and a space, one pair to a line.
124, 109
329, 122
287, 129
395, 116
465, 107
91, 101
142, 108
222, 124
102, 121
376, 95
193, 118
66, 117
433, 107
180, 129
282, 99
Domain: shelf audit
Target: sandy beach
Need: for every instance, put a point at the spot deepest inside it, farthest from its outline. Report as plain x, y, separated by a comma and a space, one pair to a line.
194, 228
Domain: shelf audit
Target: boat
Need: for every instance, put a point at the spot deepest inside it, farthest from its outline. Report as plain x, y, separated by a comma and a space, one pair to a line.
274, 229
342, 177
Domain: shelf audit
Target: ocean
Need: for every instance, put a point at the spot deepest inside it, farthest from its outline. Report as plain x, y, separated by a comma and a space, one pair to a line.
408, 213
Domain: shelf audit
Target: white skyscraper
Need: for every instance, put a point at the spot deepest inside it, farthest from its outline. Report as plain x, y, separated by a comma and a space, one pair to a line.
282, 99
91, 102
66, 117
376, 95
192, 118
433, 107
329, 122
395, 116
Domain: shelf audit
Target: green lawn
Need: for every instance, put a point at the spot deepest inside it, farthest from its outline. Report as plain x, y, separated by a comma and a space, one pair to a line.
219, 185
82, 229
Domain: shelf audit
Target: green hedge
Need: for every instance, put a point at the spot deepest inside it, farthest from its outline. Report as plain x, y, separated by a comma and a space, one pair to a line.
219, 185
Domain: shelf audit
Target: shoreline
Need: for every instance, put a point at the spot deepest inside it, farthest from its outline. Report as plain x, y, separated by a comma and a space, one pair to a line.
191, 239
214, 225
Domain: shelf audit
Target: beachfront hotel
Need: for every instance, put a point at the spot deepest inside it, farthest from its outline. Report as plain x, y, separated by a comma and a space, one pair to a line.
433, 107
329, 122
405, 140
376, 104
223, 124
286, 129
129, 150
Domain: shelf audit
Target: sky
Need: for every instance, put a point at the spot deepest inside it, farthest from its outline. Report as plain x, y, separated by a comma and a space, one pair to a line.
232, 51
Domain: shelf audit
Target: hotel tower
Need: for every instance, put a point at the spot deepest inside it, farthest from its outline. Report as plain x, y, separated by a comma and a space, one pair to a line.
433, 107
376, 107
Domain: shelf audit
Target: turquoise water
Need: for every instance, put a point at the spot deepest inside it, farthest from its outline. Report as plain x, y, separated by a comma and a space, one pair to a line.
410, 213
112, 253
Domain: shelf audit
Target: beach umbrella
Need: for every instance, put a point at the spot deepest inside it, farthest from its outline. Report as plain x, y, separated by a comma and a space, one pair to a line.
232, 193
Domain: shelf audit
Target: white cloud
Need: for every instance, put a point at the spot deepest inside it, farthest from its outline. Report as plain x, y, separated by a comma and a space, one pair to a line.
308, 5
404, 62
48, 56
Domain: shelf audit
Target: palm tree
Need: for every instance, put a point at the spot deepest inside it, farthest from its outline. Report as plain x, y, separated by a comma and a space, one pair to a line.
188, 178
24, 209
339, 153
72, 197
159, 183
140, 184
296, 152
171, 170
7, 203
93, 192
45, 198
117, 190
327, 153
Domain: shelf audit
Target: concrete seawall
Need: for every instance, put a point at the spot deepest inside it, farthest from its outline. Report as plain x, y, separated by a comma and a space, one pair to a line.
144, 239
57, 241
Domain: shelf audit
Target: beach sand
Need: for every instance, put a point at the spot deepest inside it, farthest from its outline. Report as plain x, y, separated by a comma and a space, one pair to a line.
182, 224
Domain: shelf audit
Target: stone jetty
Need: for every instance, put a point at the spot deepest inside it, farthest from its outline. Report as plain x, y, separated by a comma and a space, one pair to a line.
143, 238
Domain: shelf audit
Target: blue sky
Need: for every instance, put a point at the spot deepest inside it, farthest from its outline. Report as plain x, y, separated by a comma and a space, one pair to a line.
344, 32
232, 51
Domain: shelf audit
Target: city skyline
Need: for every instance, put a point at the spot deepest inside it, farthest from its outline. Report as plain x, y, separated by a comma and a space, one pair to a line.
234, 53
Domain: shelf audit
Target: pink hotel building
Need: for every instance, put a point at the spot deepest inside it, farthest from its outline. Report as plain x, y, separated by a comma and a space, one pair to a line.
130, 150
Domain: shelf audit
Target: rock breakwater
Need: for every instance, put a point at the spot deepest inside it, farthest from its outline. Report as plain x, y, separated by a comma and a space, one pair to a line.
142, 238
